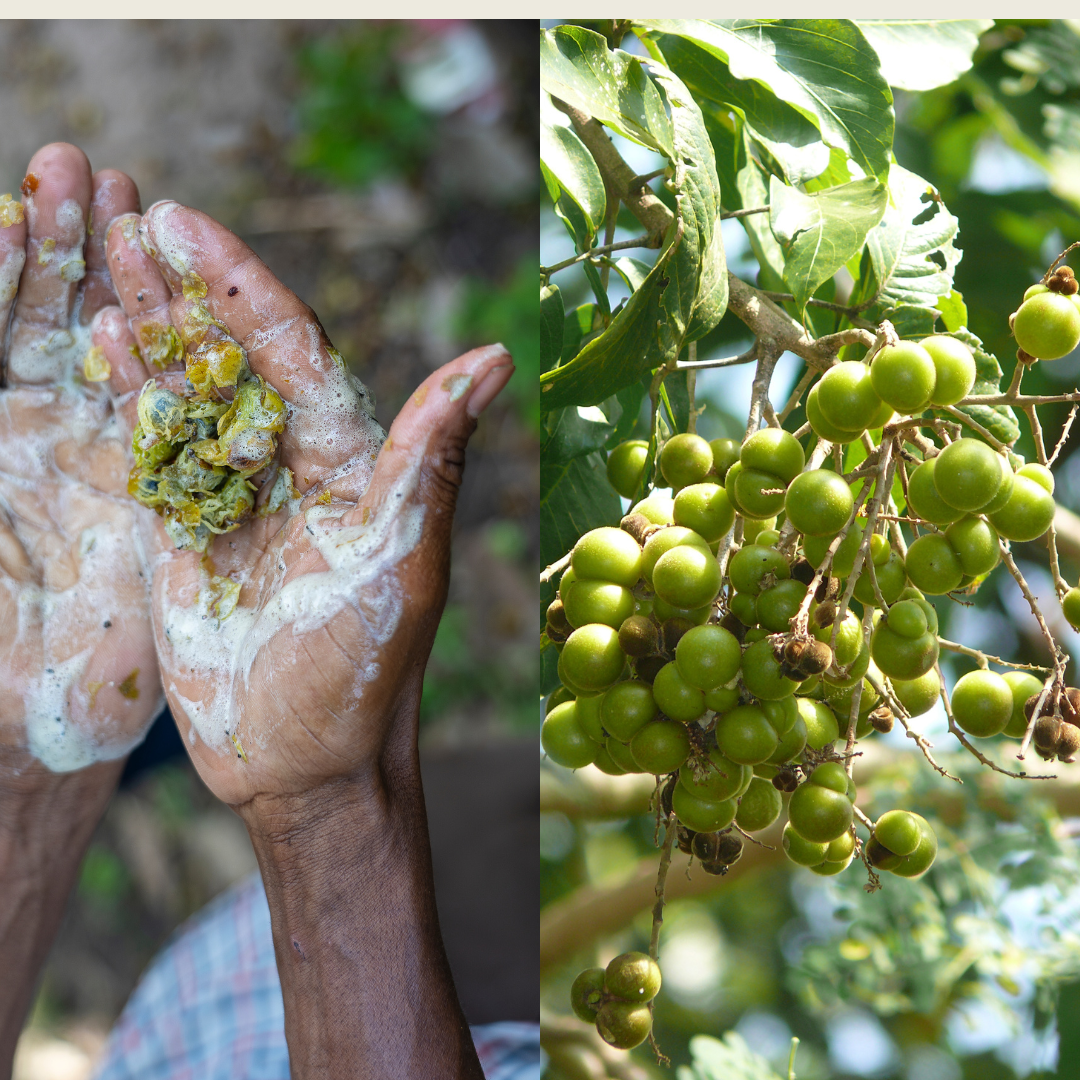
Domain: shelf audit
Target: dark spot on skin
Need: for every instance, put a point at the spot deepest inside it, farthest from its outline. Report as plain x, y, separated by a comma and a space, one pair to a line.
128, 688
30, 184
107, 623
48, 671
232, 292
296, 946
138, 296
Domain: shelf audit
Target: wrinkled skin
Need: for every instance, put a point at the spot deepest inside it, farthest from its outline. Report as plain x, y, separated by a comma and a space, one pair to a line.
71, 584
332, 696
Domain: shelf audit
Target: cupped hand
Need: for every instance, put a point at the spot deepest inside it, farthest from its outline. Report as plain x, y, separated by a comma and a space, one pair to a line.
78, 675
316, 674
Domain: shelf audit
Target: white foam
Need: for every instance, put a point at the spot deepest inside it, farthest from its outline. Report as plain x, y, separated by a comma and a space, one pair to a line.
362, 565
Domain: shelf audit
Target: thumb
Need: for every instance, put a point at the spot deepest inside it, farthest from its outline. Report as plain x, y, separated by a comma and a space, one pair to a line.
423, 458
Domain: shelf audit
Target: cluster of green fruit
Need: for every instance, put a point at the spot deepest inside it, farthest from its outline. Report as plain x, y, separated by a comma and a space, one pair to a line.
707, 639
616, 998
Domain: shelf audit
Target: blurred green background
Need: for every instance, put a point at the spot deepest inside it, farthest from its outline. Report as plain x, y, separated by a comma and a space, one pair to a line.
957, 976
385, 171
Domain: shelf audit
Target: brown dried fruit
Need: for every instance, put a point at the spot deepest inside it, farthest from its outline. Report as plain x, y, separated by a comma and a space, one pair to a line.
1070, 706
648, 667
638, 526
638, 636
824, 614
881, 719
786, 779
684, 837
671, 632
1047, 733
556, 615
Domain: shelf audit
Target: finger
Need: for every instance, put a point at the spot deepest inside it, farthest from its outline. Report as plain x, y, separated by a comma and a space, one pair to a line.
12, 256
57, 191
332, 417
120, 362
423, 458
114, 193
144, 294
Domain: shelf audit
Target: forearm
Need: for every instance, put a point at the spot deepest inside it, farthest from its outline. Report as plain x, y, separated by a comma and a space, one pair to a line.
46, 821
366, 983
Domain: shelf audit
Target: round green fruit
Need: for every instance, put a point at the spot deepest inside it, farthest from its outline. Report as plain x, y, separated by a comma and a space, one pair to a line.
722, 699
685, 459
777, 606
588, 716
660, 747
706, 509
772, 450
1022, 684
686, 577
900, 657
625, 466
967, 474
933, 566
626, 708
761, 673
658, 508
722, 779
904, 376
800, 850
1040, 474
821, 427
954, 367
708, 656
725, 452
606, 763
1047, 326
620, 754
919, 695
1028, 513
922, 858
819, 814
624, 1024
923, 497
759, 806
831, 775
633, 976
819, 502
816, 547
898, 831
675, 697
758, 494
975, 542
702, 815
822, 727
892, 578
846, 396
607, 554
587, 994
982, 703
664, 540
563, 739
591, 657
745, 735
1070, 607
596, 602
792, 743
753, 527
751, 563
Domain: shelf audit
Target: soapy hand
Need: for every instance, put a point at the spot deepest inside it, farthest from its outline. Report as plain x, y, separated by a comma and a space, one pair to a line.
292, 653
78, 675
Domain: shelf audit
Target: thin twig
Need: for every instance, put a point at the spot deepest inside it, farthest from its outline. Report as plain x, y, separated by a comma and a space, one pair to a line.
743, 213
603, 249
550, 571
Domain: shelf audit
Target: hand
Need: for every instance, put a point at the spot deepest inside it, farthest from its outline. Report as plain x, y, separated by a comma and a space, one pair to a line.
341, 591
78, 677
300, 706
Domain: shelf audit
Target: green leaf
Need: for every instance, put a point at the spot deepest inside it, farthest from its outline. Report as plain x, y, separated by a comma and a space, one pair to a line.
685, 293
731, 1059
912, 247
632, 271
576, 431
818, 233
823, 68
577, 327
999, 420
953, 310
793, 140
753, 188
576, 66
575, 497
566, 161
919, 54
551, 326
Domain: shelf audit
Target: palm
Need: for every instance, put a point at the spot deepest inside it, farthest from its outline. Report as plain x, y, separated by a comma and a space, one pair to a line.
341, 591
78, 676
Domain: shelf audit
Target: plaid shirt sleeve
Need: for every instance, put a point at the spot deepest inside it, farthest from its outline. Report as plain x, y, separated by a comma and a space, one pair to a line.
209, 1007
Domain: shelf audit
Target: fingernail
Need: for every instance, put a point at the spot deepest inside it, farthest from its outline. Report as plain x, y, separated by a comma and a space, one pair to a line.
488, 389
